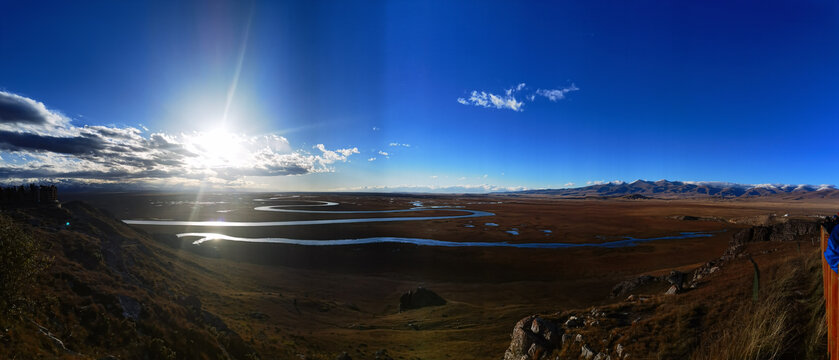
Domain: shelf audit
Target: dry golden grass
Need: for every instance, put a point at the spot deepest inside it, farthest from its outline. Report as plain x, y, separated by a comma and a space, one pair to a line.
785, 320
757, 331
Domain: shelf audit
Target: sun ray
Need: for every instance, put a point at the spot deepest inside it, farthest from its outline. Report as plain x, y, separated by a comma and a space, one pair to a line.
231, 92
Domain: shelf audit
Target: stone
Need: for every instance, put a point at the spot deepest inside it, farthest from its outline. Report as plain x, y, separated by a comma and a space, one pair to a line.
532, 338
585, 352
619, 350
602, 356
566, 338
672, 290
573, 321
579, 338
344, 356
676, 278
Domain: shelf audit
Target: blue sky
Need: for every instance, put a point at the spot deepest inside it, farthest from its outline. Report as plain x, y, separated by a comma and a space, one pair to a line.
702, 91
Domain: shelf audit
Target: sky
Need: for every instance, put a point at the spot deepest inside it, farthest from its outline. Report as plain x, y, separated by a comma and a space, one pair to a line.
417, 95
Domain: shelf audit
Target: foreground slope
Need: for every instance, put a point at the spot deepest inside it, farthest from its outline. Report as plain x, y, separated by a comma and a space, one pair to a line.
110, 291
715, 311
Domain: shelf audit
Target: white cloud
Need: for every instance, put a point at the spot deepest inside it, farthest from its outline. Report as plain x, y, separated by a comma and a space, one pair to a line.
330, 156
398, 144
383, 153
376, 128
50, 148
556, 94
489, 100
508, 98
372, 159
568, 184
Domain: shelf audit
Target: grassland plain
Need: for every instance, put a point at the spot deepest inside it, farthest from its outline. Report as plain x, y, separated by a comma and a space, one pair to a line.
278, 301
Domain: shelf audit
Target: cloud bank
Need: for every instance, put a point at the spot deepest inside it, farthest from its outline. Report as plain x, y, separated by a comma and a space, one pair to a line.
508, 100
39, 144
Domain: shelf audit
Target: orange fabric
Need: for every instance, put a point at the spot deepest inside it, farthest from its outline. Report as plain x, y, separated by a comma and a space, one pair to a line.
831, 301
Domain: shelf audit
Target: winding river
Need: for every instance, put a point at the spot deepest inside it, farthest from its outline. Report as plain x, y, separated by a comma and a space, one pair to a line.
204, 237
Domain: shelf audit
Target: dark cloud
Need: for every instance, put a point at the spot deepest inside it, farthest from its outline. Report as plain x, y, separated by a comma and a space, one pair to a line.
112, 174
17, 141
15, 109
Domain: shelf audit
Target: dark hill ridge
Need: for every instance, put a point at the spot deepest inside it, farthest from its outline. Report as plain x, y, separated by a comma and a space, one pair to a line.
110, 291
679, 189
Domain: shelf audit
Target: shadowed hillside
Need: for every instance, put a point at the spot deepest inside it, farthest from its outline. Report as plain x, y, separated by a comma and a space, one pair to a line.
108, 290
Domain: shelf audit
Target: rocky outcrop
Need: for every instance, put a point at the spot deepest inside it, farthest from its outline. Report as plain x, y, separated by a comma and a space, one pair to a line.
596, 335
533, 338
627, 286
560, 336
792, 230
419, 298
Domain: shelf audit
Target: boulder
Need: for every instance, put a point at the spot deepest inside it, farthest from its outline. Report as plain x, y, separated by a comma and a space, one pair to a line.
676, 278
573, 321
533, 338
586, 353
419, 298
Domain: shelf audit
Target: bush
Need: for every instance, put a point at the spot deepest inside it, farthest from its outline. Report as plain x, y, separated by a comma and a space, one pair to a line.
20, 262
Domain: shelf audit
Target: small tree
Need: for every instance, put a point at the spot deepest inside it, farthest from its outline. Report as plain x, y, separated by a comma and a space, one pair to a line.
20, 262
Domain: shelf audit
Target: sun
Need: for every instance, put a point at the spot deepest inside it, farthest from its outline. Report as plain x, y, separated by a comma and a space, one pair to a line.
219, 147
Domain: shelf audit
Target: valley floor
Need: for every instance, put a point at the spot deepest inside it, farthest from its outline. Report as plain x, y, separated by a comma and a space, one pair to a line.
287, 301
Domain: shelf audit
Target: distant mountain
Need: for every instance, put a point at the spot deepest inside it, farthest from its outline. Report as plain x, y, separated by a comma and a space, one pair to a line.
690, 189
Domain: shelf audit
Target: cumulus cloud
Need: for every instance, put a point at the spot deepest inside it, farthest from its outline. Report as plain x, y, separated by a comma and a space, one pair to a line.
382, 153
556, 94
372, 159
398, 144
43, 145
568, 184
508, 98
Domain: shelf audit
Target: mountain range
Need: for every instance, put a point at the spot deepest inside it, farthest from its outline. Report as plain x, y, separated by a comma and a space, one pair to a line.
691, 189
